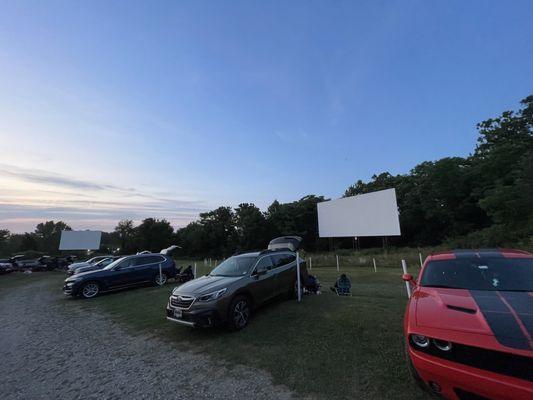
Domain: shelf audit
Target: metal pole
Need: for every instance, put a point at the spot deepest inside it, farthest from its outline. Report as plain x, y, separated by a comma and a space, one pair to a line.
298, 284
375, 268
160, 274
420, 256
407, 284
337, 263
195, 270
310, 263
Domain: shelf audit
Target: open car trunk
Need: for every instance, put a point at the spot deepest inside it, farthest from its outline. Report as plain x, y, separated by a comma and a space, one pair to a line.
291, 243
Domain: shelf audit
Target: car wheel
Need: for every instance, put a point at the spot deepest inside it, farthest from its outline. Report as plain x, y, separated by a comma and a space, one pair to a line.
239, 313
160, 280
90, 290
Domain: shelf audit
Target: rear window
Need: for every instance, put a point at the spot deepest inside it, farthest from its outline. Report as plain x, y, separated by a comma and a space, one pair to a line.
284, 259
498, 273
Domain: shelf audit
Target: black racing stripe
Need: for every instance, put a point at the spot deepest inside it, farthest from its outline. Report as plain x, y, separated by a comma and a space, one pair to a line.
522, 304
501, 321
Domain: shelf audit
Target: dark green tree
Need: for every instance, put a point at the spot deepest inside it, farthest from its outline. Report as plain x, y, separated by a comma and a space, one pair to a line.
125, 230
154, 235
251, 227
49, 234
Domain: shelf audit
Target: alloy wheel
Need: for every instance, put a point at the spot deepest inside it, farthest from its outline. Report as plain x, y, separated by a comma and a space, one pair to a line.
90, 290
241, 313
160, 279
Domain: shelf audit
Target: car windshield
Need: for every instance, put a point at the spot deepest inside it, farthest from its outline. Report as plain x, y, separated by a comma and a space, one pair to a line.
234, 266
114, 263
506, 274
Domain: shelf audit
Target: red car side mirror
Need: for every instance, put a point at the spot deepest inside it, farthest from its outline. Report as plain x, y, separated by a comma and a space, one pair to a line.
409, 278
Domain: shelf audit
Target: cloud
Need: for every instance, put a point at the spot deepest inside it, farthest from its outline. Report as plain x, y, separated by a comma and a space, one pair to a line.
33, 195
40, 176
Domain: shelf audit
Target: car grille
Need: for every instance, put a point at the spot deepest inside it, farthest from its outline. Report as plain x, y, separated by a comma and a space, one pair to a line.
181, 301
490, 360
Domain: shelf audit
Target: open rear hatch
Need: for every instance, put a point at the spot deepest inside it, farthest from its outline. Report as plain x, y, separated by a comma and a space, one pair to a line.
291, 243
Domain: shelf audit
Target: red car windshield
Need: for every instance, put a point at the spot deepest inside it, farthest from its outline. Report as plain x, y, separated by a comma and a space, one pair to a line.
506, 274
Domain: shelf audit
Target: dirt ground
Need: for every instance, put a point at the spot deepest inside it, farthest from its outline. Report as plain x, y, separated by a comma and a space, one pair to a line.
49, 350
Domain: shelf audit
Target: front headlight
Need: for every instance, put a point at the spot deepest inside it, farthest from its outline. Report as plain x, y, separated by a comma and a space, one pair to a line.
212, 296
443, 345
420, 340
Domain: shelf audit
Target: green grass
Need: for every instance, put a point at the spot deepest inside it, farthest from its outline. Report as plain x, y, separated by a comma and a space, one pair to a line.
328, 346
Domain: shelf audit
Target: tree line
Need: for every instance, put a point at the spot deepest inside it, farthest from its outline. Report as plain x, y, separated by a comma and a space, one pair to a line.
483, 200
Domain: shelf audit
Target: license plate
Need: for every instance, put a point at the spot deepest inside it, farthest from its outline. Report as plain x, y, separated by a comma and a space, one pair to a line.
178, 313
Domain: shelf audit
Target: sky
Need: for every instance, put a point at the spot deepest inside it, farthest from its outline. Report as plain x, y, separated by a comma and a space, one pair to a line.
166, 109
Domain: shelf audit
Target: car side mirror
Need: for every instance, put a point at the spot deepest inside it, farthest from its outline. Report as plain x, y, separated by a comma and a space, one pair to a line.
409, 278
260, 272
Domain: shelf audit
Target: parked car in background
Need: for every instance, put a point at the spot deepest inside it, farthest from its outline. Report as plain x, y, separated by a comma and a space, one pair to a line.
86, 263
5, 266
229, 293
64, 261
469, 325
122, 273
23, 261
99, 265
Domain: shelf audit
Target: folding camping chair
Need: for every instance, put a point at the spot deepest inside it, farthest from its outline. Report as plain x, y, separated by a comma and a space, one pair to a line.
343, 286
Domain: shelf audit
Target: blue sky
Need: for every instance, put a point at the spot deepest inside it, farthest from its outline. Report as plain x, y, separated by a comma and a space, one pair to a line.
112, 110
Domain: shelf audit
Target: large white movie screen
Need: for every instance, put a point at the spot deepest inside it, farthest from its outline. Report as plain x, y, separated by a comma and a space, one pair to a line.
80, 240
370, 214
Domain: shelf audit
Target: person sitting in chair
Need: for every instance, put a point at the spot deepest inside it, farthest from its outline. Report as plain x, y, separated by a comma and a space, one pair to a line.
187, 274
342, 286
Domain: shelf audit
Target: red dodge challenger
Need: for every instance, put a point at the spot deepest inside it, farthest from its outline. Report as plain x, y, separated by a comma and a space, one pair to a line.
469, 325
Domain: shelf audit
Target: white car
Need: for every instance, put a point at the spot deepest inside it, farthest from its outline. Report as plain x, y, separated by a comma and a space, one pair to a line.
87, 263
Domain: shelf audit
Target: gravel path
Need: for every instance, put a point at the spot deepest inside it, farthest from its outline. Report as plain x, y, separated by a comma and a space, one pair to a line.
49, 352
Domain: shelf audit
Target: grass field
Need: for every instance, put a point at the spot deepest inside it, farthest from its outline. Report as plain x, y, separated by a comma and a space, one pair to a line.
327, 346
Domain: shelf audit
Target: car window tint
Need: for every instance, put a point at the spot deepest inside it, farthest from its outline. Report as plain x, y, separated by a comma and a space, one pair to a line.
480, 273
154, 259
125, 263
284, 259
265, 263
143, 260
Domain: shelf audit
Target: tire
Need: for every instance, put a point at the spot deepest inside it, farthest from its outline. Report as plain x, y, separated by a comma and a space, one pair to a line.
239, 313
162, 281
90, 290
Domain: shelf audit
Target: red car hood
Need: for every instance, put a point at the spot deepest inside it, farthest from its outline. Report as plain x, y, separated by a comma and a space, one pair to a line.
508, 316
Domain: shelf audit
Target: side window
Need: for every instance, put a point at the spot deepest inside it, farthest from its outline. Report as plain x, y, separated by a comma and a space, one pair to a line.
143, 260
126, 263
284, 259
154, 259
264, 263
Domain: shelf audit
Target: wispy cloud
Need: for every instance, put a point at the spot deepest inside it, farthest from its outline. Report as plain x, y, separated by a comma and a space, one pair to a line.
45, 177
32, 195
